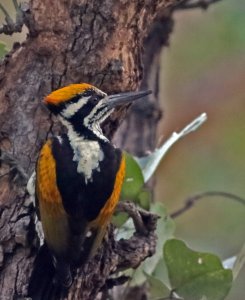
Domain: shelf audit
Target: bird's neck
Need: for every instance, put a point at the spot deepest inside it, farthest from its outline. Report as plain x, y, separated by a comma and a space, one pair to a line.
83, 133
88, 150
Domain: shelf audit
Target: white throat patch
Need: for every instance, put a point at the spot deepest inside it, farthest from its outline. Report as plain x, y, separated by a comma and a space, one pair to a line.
88, 154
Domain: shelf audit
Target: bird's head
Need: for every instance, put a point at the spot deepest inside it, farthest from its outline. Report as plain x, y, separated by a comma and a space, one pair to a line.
84, 106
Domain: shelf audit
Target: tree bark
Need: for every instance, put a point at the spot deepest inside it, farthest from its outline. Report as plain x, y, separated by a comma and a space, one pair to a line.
70, 41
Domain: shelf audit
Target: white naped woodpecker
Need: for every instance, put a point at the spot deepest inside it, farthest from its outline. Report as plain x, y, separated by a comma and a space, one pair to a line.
79, 176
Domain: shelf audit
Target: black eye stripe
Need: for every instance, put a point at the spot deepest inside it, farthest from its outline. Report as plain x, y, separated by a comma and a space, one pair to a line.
74, 99
92, 100
88, 93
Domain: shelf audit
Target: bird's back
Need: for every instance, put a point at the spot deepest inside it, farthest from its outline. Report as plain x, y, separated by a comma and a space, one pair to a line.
76, 193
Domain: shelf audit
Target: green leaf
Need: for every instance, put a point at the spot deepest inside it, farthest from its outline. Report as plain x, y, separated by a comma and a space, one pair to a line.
144, 199
157, 288
138, 276
195, 275
165, 230
214, 285
133, 181
161, 272
119, 219
3, 49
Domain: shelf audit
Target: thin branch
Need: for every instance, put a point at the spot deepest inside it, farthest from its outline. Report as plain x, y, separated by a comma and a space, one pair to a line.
12, 26
5, 12
16, 5
169, 298
203, 4
140, 217
190, 202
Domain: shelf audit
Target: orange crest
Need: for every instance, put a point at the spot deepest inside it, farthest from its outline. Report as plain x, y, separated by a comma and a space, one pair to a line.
67, 93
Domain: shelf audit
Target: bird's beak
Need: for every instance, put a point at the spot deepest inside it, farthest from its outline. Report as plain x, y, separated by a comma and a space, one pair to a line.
125, 98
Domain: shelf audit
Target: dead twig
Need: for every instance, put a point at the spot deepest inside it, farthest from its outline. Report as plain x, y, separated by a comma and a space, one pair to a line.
16, 25
190, 202
189, 4
140, 217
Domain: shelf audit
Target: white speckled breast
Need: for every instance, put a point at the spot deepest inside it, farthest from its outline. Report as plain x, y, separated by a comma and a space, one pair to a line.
87, 154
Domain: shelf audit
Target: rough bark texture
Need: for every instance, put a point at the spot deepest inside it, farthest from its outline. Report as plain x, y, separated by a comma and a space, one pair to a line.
142, 121
100, 42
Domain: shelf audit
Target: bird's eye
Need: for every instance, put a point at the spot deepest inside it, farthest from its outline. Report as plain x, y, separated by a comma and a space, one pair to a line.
95, 99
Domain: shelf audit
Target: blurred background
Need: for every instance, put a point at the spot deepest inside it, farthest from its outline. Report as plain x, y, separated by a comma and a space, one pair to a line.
203, 70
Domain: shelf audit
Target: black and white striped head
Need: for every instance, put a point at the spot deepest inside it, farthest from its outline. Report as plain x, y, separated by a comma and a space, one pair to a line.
84, 106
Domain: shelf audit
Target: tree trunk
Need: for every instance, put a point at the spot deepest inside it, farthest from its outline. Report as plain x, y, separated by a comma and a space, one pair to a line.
71, 41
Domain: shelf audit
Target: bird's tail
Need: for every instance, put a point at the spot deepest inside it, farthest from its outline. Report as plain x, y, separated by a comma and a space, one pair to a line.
48, 282
41, 281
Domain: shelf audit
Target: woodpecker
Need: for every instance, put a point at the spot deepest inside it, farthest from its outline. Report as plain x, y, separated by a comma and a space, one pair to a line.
79, 176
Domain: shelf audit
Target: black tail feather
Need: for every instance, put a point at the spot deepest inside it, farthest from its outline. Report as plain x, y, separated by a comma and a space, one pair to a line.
41, 281
48, 282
